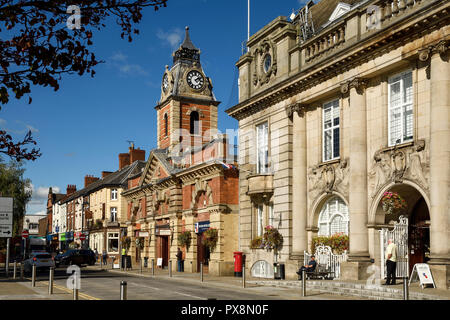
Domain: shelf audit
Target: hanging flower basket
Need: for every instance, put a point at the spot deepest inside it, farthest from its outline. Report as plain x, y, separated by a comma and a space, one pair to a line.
184, 239
140, 243
210, 238
272, 238
393, 203
256, 243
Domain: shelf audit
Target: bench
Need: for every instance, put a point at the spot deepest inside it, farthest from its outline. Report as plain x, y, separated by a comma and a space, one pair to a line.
322, 271
328, 263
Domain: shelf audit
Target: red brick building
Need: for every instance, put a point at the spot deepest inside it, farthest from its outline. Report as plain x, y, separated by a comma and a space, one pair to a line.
190, 183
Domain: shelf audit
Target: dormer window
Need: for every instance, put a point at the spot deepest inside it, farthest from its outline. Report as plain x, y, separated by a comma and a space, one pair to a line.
341, 9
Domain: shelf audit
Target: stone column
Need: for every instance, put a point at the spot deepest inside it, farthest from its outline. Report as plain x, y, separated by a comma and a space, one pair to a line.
299, 189
358, 259
440, 161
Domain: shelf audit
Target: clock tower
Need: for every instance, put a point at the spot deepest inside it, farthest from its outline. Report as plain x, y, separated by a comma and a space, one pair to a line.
187, 110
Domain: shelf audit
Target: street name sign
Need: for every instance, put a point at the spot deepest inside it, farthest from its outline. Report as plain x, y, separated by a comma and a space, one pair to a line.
423, 272
6, 217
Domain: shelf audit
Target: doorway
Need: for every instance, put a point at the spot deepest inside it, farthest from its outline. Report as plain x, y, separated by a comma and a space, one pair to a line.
419, 234
203, 254
164, 250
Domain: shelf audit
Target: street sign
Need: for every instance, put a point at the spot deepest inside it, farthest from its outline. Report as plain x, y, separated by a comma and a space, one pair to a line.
5, 231
82, 237
25, 234
6, 217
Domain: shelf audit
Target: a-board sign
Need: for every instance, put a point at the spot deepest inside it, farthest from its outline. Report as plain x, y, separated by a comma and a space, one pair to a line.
159, 262
423, 272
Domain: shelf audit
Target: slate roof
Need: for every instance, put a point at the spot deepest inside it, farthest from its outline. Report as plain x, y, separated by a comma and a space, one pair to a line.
322, 10
118, 178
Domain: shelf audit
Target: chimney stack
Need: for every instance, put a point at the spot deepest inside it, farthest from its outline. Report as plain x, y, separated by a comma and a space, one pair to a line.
136, 154
124, 160
71, 189
88, 179
105, 173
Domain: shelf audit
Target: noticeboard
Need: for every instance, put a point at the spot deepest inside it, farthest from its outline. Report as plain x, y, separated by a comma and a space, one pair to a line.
159, 262
423, 273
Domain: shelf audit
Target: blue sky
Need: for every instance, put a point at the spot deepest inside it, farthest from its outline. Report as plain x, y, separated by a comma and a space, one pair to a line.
82, 128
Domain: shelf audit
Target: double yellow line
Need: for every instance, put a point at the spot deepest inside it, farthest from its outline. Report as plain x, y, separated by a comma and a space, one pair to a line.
80, 294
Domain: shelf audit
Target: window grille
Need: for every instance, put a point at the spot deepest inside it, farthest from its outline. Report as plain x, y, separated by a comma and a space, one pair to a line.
400, 108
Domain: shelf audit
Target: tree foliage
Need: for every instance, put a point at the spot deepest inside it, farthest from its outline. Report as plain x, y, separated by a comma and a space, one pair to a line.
37, 47
13, 184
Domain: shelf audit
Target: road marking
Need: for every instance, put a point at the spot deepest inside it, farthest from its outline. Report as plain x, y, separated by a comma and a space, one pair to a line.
189, 295
80, 294
143, 286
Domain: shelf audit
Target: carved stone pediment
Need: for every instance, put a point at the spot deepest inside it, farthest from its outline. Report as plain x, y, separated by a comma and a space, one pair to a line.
399, 164
328, 178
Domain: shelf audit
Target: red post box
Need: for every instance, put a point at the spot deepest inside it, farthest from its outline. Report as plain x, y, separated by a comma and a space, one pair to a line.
237, 264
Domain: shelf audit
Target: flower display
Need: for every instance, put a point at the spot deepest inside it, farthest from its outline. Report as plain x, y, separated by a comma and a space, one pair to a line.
271, 239
210, 238
392, 203
184, 239
256, 243
339, 242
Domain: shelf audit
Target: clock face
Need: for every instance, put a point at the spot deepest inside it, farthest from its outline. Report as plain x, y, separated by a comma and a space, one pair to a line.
195, 80
267, 62
165, 82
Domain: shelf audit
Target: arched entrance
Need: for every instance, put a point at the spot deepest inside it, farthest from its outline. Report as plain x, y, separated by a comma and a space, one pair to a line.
418, 246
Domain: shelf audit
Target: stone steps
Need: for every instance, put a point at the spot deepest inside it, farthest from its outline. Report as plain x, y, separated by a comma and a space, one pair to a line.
372, 292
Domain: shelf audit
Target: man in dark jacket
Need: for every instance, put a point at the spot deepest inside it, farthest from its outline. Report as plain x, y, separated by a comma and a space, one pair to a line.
310, 267
180, 260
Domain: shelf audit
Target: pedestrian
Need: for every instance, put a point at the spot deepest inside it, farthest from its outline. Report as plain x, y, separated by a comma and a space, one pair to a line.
96, 255
391, 263
105, 257
310, 267
180, 261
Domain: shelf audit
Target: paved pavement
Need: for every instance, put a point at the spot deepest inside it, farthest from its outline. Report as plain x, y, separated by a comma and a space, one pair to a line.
100, 284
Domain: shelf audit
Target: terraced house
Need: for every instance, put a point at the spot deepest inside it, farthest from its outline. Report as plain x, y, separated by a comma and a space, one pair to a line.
190, 182
339, 104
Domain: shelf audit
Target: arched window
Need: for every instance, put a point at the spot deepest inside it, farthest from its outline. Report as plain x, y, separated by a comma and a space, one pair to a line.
166, 125
333, 217
195, 121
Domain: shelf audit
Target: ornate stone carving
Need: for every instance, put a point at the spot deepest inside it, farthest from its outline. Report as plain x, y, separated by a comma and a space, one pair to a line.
397, 165
359, 84
441, 47
328, 178
295, 108
201, 186
260, 76
424, 54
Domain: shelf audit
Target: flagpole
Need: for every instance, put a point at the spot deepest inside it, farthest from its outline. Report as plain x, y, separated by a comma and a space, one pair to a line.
248, 25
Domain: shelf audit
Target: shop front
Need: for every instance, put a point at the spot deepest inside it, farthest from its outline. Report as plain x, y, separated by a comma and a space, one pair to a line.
52, 242
65, 240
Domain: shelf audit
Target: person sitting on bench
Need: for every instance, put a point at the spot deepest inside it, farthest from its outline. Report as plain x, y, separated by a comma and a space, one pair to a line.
310, 267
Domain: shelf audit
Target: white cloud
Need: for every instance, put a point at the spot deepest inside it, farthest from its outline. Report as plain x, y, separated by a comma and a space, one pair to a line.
2, 122
120, 62
173, 38
38, 202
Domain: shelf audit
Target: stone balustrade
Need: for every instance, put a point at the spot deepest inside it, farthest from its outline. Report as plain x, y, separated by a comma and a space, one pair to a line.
260, 184
325, 43
388, 9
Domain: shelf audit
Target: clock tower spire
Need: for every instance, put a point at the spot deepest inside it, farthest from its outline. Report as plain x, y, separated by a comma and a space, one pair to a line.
187, 110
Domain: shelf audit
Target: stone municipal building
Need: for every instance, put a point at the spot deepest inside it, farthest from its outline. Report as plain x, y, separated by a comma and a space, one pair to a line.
338, 104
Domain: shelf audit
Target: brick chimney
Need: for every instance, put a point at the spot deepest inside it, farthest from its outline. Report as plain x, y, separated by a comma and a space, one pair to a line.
136, 154
89, 179
71, 188
124, 160
105, 173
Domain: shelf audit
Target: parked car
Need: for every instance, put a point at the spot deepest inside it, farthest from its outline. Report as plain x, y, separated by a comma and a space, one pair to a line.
42, 260
75, 256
